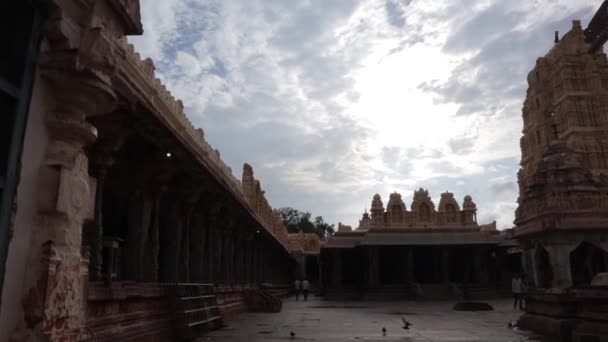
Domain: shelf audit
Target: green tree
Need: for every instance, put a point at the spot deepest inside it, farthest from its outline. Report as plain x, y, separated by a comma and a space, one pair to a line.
296, 220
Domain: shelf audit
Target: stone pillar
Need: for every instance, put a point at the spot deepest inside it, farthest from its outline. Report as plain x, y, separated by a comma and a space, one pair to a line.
256, 260
261, 260
171, 240
527, 257
230, 238
220, 265
55, 290
477, 265
445, 264
559, 257
151, 246
245, 245
253, 261
373, 267
240, 258
210, 253
336, 269
95, 234
139, 214
183, 256
484, 276
410, 265
197, 245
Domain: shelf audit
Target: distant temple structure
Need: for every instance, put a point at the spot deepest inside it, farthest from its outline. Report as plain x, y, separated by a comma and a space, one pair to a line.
562, 217
424, 251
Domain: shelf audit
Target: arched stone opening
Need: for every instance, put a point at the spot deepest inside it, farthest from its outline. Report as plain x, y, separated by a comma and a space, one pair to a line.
586, 261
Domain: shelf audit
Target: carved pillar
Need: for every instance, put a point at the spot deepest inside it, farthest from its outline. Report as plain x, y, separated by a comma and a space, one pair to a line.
373, 268
260, 263
183, 256
445, 265
477, 265
336, 276
252, 262
410, 265
238, 270
66, 195
95, 229
229, 254
220, 265
197, 247
151, 246
171, 236
248, 241
559, 257
211, 245
139, 219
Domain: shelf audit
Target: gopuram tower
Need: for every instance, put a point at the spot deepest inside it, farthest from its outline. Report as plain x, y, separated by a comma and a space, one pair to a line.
567, 96
562, 217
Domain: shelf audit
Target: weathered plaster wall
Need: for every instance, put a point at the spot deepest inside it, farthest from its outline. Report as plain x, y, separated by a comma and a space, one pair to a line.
11, 311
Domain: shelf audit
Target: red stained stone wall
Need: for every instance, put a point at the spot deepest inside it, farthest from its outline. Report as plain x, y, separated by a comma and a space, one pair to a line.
128, 311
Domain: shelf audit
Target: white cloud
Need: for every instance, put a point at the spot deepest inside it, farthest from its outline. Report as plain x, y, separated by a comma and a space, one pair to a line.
333, 101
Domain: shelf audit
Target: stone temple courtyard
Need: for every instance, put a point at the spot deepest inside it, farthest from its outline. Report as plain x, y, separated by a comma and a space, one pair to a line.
320, 320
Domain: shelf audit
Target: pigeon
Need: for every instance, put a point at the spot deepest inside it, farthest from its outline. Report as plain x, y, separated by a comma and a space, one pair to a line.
383, 331
406, 324
292, 334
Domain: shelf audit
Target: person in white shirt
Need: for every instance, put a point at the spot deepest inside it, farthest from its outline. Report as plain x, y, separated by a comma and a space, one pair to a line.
305, 288
297, 287
518, 288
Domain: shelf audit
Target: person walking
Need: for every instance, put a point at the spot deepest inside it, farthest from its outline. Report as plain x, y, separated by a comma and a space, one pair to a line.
518, 288
297, 286
305, 288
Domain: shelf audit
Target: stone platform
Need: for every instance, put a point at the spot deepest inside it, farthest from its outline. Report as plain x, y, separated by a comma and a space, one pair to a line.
319, 320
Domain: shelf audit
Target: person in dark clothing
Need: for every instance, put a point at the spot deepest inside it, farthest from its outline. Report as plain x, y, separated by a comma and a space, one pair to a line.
518, 288
305, 288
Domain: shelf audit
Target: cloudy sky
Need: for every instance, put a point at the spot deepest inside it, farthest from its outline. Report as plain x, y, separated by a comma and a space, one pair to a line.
332, 101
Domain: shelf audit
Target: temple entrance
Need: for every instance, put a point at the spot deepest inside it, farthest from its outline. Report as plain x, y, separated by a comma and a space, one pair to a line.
459, 264
427, 265
352, 267
586, 261
544, 271
393, 265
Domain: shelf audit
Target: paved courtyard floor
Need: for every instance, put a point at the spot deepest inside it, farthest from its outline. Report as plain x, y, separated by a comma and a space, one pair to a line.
320, 320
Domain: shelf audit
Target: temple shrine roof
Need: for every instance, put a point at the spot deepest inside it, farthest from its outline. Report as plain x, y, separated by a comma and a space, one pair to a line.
422, 225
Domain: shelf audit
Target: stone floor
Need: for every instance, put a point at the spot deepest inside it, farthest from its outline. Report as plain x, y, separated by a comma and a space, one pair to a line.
319, 320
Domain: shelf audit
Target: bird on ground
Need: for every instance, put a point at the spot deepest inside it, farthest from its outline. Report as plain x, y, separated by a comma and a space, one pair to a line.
383, 331
406, 324
292, 334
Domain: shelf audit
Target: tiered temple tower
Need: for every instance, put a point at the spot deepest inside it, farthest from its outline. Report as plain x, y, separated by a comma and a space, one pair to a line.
567, 97
562, 180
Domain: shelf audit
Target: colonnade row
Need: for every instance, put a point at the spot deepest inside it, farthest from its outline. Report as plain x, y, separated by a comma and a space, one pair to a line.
154, 221
374, 266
